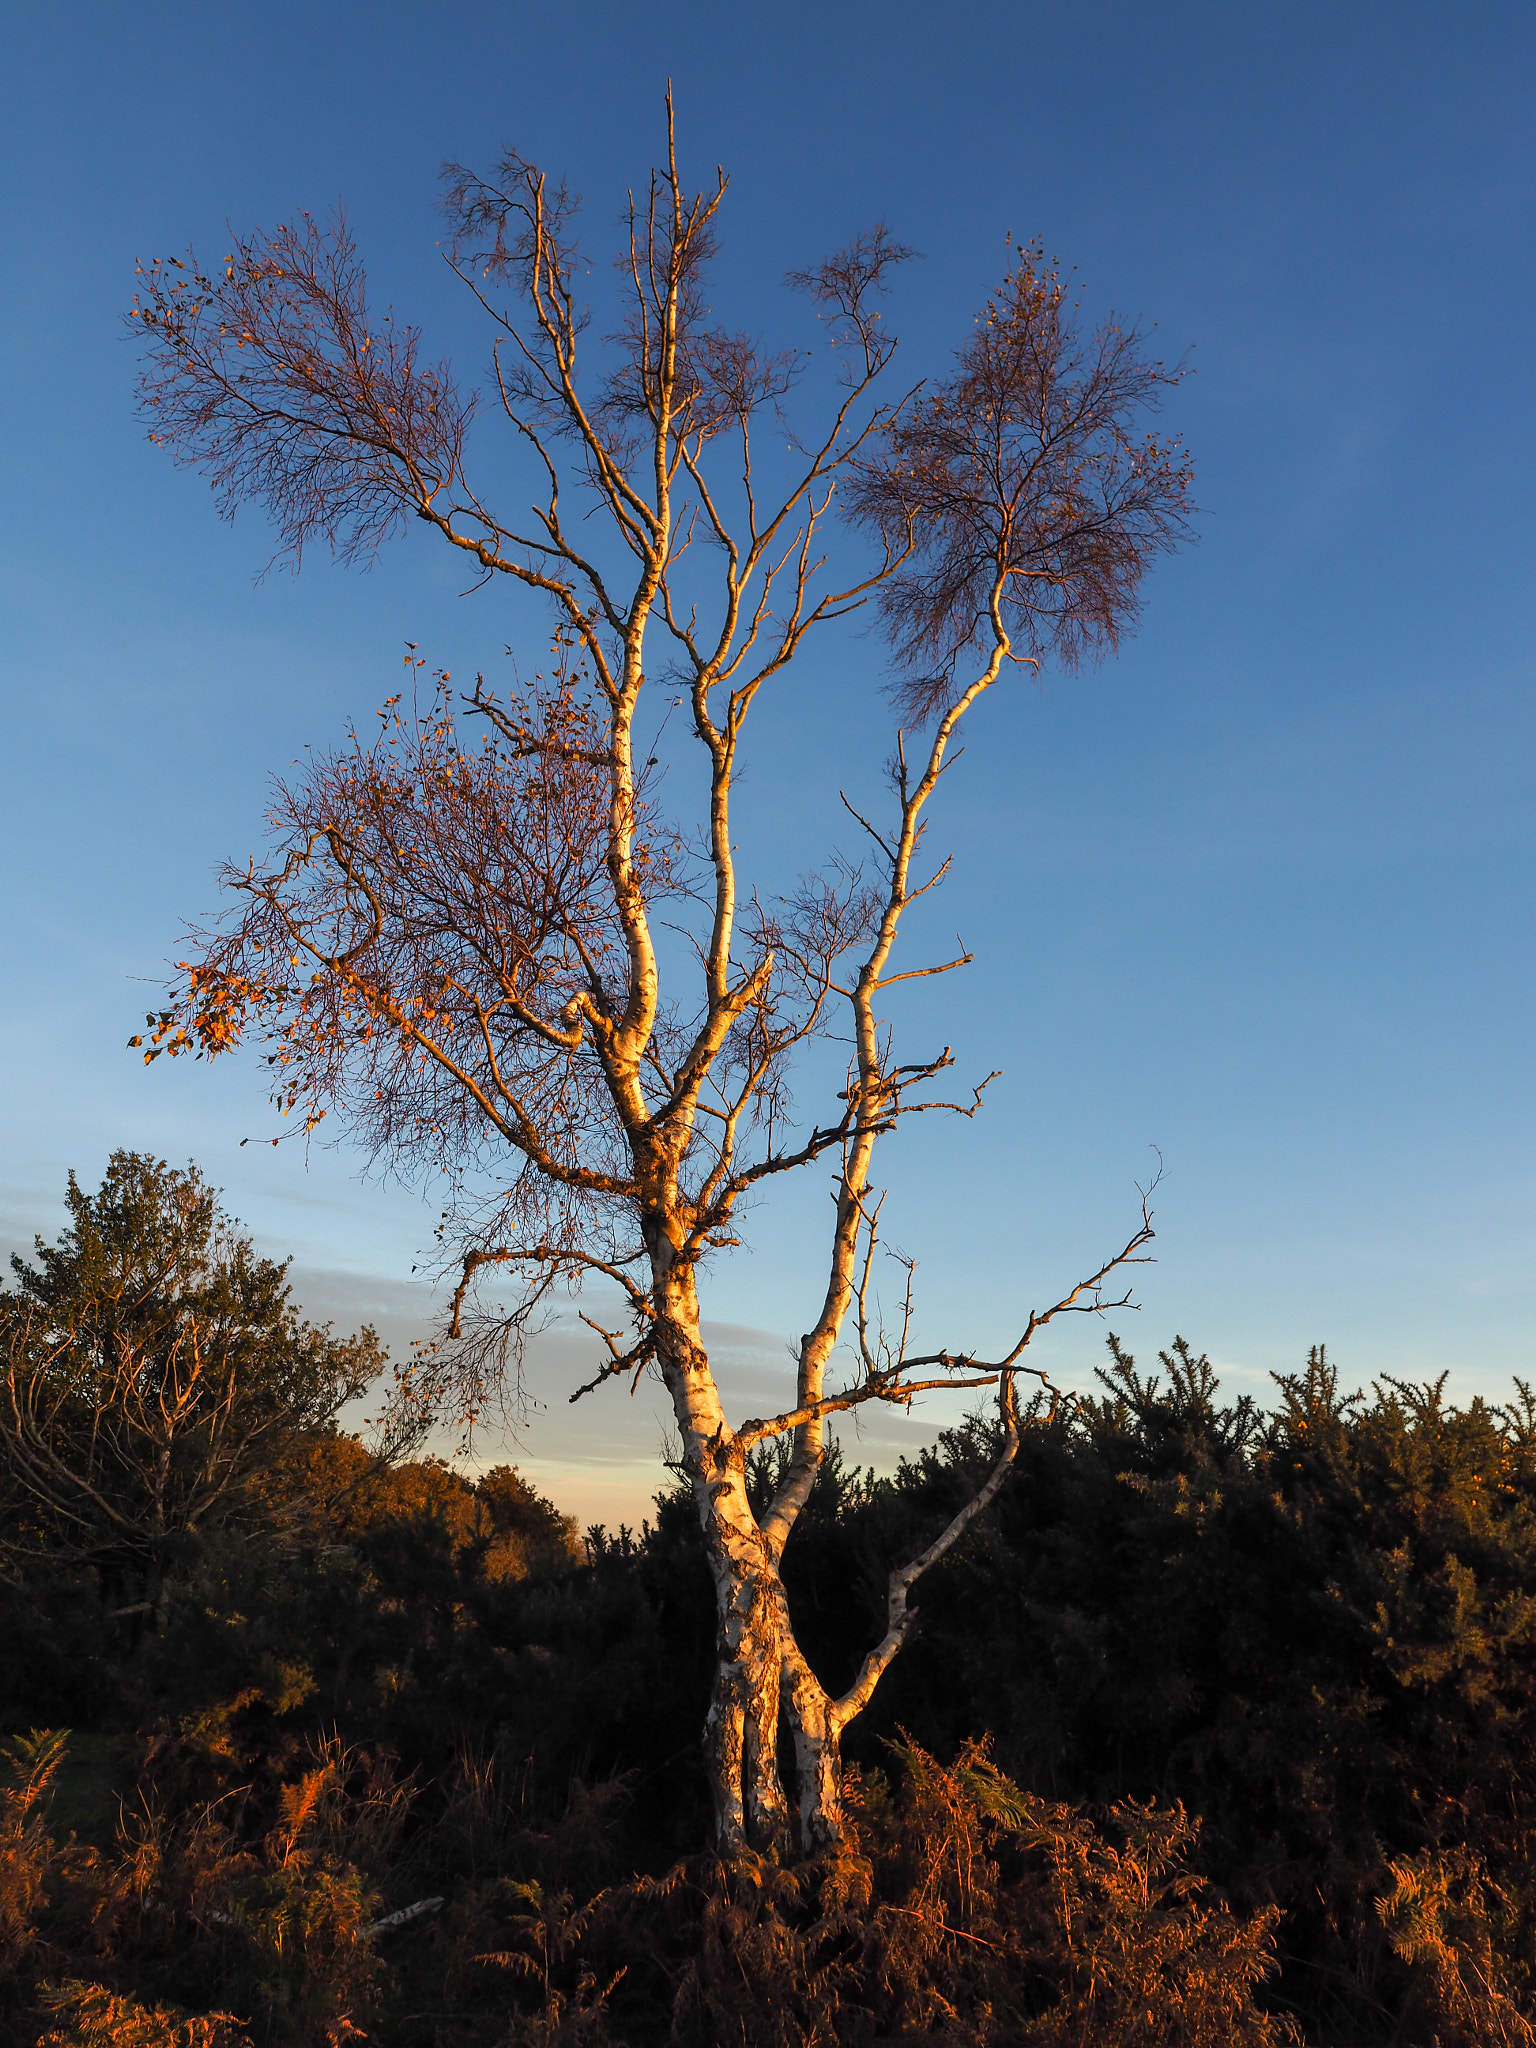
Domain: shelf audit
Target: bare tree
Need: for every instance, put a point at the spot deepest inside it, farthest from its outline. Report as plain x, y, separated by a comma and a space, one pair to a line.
455, 947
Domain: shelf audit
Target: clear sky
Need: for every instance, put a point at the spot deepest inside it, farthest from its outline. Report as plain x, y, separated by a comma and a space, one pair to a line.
1258, 891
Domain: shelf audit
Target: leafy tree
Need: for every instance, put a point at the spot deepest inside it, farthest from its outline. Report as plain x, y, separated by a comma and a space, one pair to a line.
155, 1379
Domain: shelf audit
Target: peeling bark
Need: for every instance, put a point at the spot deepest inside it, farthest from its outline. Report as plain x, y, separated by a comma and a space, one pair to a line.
741, 1729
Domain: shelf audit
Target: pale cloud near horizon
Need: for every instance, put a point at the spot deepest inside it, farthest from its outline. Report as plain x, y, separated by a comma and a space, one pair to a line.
600, 1459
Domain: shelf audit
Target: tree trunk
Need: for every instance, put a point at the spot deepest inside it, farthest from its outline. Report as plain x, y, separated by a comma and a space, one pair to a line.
741, 1734
817, 1730
759, 1665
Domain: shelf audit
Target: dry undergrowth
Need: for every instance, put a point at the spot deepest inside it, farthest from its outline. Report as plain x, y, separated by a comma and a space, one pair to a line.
962, 1911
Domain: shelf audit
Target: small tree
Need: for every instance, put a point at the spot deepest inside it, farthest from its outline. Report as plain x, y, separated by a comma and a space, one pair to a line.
456, 945
152, 1377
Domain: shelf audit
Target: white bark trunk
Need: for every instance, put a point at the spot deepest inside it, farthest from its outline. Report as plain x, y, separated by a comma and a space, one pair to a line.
741, 1731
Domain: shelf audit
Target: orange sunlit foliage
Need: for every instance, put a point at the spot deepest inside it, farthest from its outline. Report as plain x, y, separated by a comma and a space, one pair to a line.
423, 946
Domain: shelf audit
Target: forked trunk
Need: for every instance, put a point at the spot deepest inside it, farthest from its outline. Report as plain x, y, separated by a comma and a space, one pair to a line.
760, 1670
760, 1676
815, 1717
741, 1732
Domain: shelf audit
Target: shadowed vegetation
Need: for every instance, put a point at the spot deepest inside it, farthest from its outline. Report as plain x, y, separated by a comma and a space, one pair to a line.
1215, 1728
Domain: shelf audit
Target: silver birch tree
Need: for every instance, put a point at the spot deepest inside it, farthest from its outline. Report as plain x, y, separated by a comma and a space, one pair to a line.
453, 949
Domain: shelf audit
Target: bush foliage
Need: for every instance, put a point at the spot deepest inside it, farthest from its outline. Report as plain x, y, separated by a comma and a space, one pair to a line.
1217, 1729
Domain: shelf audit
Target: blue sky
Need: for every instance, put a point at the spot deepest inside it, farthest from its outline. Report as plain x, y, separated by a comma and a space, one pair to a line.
1258, 891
